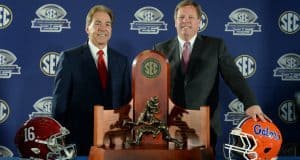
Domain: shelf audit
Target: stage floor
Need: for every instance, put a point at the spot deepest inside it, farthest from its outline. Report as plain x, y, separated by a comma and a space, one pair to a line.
85, 158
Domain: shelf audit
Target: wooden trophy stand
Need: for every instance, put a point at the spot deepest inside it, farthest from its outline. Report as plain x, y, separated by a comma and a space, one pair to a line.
150, 78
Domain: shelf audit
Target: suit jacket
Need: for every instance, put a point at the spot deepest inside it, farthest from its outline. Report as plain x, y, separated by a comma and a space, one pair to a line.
78, 89
199, 86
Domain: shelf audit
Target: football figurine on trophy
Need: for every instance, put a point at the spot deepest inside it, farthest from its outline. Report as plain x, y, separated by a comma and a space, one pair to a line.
147, 123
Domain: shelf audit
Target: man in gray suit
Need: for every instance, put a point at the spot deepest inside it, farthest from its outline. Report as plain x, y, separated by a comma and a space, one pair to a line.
195, 76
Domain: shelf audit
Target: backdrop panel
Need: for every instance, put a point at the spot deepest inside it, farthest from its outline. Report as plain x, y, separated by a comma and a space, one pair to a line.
263, 36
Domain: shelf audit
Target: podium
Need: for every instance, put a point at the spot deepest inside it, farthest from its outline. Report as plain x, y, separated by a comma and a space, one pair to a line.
150, 78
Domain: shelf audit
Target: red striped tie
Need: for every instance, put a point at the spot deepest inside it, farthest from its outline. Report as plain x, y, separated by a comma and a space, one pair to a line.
102, 69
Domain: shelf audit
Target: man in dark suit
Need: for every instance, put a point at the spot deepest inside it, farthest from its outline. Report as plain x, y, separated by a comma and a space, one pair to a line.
195, 77
78, 86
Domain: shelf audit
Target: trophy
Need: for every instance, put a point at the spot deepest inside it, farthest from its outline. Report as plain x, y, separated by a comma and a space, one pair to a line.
151, 126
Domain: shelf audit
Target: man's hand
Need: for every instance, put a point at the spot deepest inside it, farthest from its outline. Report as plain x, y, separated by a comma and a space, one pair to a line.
256, 112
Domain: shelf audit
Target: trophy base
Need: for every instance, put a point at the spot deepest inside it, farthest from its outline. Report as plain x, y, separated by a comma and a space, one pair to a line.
150, 152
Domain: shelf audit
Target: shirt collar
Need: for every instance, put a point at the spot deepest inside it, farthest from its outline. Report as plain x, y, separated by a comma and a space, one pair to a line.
192, 41
94, 49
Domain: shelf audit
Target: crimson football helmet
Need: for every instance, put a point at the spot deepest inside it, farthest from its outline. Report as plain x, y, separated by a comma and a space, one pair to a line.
253, 140
43, 138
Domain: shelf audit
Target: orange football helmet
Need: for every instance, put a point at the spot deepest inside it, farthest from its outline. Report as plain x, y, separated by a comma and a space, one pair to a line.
43, 138
253, 140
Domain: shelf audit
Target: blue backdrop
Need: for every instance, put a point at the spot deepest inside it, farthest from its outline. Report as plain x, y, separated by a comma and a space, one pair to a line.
262, 35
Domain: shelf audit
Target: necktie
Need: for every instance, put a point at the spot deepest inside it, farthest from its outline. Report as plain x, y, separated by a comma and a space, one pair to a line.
102, 69
185, 55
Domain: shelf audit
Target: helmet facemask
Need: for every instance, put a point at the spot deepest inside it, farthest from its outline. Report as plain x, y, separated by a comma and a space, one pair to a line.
240, 145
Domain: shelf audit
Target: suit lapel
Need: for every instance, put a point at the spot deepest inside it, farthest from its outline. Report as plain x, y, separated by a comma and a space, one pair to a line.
109, 58
174, 55
196, 53
113, 73
89, 65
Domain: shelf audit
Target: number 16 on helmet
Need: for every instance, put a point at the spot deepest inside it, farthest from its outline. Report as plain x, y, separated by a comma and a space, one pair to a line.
43, 138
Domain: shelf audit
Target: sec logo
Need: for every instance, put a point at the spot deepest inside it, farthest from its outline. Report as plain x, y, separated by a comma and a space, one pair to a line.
288, 22
287, 111
151, 68
246, 65
49, 62
4, 111
6, 16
